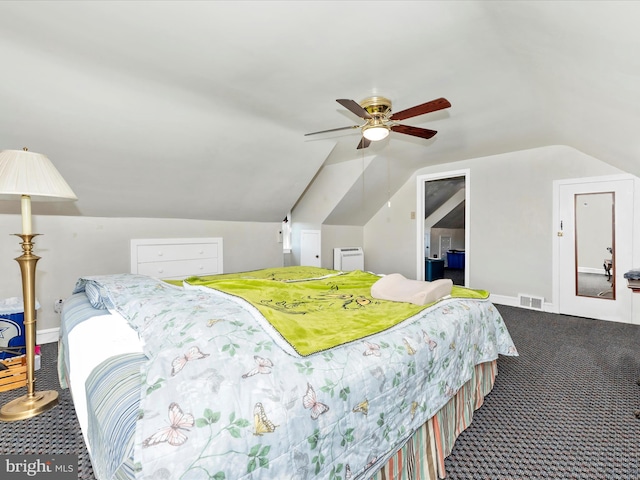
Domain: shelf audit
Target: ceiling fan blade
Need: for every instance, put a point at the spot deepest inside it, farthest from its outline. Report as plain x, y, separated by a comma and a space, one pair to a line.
432, 106
354, 107
415, 131
364, 143
333, 130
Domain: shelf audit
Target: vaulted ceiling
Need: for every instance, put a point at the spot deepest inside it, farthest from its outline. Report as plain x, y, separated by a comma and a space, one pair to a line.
199, 109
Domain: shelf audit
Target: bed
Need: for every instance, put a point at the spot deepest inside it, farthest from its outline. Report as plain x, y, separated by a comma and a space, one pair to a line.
197, 379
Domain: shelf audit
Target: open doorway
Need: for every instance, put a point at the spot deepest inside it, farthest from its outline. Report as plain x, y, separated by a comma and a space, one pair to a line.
443, 227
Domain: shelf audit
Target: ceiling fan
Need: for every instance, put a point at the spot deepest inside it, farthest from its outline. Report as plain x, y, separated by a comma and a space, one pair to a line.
379, 121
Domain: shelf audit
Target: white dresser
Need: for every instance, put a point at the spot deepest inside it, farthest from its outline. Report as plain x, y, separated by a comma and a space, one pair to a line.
176, 258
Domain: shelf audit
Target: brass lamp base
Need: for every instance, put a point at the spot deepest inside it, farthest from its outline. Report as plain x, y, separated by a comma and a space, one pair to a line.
28, 406
33, 403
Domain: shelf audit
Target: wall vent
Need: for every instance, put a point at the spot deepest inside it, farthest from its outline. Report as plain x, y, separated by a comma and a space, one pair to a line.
531, 302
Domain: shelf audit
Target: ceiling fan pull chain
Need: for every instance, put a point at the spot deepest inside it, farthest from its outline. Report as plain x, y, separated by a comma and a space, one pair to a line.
388, 183
363, 197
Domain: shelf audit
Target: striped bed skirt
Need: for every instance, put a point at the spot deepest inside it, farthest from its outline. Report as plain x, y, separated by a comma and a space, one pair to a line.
422, 457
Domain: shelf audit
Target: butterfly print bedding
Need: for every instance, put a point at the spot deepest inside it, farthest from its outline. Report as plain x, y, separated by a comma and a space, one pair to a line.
228, 401
310, 402
179, 422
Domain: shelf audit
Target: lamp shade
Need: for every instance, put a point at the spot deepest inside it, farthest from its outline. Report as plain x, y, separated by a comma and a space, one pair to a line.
375, 132
28, 173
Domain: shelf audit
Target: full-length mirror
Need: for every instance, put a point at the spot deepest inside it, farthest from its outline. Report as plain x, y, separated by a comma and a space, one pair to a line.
595, 245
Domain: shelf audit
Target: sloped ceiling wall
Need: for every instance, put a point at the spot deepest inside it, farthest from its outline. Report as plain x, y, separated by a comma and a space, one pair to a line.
199, 109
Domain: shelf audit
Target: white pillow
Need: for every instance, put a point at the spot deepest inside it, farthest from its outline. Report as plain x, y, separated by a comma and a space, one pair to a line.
397, 288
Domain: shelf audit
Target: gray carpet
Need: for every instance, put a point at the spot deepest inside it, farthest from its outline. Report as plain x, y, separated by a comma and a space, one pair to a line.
56, 431
563, 409
455, 274
595, 285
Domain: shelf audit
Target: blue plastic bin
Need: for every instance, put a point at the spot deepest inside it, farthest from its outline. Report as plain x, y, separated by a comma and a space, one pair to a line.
455, 259
12, 327
433, 269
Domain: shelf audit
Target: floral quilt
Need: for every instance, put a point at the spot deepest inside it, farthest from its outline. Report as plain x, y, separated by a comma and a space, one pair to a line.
221, 400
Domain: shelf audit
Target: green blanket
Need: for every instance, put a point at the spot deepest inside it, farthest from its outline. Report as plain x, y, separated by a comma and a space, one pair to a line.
316, 309
279, 274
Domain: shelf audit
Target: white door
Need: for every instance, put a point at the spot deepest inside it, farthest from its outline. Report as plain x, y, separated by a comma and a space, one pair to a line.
445, 246
427, 245
310, 248
594, 225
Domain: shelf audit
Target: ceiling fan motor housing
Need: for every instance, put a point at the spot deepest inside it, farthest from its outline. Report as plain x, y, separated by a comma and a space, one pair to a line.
377, 106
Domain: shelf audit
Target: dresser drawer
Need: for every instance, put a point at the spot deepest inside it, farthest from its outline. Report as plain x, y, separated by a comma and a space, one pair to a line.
179, 268
176, 258
162, 253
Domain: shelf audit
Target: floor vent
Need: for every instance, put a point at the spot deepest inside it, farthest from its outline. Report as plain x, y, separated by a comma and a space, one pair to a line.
529, 301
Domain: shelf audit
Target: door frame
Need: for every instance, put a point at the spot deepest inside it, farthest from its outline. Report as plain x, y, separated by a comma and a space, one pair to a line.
420, 193
590, 183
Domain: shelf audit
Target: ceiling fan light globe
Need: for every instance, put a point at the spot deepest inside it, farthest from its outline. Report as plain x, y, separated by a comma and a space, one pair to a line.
375, 133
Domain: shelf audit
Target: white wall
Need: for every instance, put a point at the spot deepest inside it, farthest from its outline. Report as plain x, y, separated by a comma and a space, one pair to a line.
329, 186
511, 229
457, 239
74, 246
390, 236
340, 236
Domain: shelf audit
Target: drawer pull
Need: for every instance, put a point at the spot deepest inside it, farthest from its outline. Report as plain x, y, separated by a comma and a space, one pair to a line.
160, 253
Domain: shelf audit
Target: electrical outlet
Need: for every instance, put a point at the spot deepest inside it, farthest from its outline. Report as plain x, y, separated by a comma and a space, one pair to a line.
57, 305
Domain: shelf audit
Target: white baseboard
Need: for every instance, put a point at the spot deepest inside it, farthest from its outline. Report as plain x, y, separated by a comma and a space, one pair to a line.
50, 335
599, 271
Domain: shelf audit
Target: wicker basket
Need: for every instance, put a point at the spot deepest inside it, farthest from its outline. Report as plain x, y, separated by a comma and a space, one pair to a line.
16, 375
